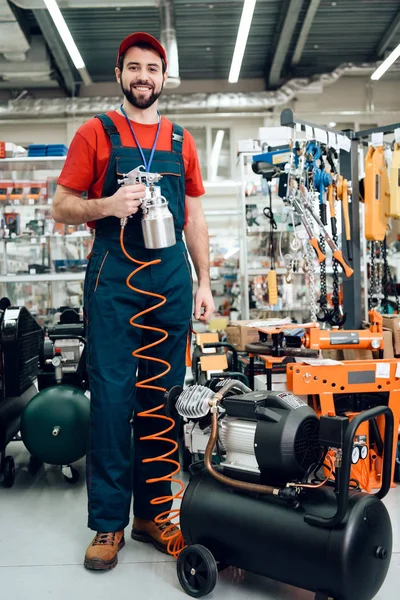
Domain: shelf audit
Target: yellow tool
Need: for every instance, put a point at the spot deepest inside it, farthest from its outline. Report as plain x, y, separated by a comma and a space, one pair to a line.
377, 195
272, 288
394, 203
343, 195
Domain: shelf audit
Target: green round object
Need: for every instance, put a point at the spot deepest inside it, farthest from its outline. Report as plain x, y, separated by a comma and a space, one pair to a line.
55, 425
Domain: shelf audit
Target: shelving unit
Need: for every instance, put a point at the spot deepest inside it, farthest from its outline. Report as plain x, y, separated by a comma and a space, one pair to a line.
44, 266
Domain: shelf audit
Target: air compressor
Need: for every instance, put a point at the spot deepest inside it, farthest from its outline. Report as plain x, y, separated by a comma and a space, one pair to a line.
266, 508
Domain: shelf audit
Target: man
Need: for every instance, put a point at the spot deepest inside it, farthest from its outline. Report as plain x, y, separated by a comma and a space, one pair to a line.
102, 150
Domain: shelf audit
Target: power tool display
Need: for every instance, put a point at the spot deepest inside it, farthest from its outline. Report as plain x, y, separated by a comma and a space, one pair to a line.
283, 491
307, 178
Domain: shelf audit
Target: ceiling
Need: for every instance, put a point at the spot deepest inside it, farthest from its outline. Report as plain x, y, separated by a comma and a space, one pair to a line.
288, 38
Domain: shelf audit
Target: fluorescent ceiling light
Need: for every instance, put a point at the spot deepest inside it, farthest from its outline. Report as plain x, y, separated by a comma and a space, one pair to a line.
381, 70
68, 40
241, 40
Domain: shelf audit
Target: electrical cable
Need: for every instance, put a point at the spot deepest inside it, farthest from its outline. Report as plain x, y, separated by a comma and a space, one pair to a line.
311, 486
170, 534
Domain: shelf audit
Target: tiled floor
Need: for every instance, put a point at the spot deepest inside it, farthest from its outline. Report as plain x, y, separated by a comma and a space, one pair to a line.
43, 537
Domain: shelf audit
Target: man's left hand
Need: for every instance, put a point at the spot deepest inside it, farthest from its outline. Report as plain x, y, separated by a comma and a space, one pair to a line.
203, 299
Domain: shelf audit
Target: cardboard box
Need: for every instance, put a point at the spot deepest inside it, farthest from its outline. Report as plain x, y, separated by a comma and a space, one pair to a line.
357, 354
392, 322
238, 334
333, 354
388, 351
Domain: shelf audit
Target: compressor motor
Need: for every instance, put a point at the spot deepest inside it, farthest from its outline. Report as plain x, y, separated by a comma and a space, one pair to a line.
266, 508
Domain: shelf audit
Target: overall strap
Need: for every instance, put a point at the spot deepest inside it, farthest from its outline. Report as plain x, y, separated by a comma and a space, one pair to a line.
110, 129
177, 138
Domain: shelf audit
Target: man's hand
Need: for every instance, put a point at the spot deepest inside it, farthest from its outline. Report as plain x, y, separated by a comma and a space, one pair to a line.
126, 200
203, 299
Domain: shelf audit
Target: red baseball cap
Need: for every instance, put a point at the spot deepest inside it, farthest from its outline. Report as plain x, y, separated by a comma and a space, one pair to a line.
138, 37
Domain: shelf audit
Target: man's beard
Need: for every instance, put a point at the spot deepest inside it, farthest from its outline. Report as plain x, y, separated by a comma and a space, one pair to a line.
142, 103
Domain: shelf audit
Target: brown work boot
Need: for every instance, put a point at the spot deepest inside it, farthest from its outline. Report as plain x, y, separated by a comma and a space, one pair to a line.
102, 552
151, 532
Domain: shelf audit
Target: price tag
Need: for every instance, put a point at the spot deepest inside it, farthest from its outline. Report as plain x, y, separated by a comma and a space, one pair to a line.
298, 127
382, 370
397, 135
377, 139
32, 271
309, 132
344, 143
31, 201
33, 240
320, 135
43, 240
332, 140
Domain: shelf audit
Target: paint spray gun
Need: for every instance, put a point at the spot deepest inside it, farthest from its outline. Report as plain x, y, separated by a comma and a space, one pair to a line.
157, 221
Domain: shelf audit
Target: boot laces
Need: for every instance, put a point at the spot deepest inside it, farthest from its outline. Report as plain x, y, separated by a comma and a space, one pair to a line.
104, 539
165, 525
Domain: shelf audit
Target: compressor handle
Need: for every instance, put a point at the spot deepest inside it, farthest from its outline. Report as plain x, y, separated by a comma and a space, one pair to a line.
225, 345
344, 481
67, 336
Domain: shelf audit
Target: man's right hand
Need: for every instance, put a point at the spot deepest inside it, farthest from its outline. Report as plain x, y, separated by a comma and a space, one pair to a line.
126, 200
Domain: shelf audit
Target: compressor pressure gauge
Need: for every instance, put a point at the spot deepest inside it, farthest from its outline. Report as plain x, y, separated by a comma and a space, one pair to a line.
364, 452
355, 455
56, 361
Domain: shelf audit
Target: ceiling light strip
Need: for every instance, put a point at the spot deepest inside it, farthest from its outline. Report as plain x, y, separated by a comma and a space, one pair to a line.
241, 40
387, 63
68, 40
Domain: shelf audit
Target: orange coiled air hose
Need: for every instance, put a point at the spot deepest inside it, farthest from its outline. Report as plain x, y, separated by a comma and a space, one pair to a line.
171, 534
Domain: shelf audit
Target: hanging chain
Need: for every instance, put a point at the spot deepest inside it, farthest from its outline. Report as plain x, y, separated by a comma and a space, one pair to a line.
376, 280
335, 292
311, 274
310, 256
388, 282
378, 275
385, 279
323, 298
371, 277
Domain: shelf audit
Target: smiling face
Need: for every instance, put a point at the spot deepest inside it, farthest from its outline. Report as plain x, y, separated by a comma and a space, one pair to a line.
141, 78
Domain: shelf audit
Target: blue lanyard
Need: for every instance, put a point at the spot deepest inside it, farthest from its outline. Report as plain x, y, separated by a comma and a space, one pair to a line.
147, 165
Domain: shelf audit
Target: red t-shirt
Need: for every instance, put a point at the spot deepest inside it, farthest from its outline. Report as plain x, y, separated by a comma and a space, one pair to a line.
86, 164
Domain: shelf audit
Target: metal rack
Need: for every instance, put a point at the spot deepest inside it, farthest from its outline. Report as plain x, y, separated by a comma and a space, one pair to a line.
352, 287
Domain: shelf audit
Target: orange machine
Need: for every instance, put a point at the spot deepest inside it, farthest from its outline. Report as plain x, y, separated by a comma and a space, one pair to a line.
346, 388
310, 336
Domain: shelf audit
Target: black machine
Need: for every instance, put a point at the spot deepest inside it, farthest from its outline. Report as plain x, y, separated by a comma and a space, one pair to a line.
282, 502
64, 347
42, 383
55, 424
20, 341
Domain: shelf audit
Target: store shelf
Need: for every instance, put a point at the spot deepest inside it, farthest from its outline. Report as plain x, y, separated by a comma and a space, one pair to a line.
44, 277
27, 162
13, 207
